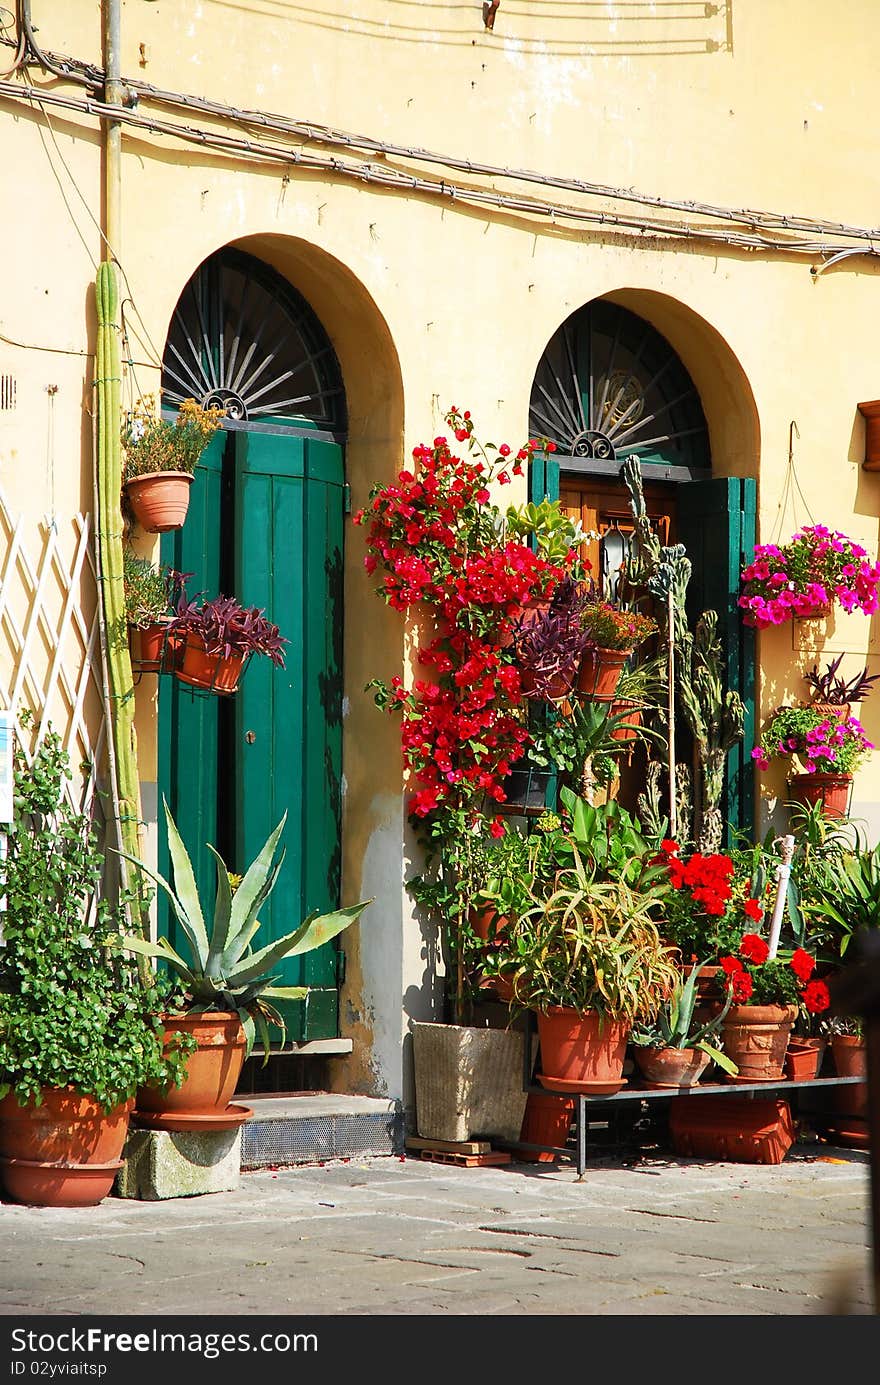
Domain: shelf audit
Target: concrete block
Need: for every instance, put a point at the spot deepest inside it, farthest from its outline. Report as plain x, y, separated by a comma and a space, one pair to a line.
165, 1163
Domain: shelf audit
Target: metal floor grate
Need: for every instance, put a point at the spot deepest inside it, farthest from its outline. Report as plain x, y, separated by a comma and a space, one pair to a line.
303, 1140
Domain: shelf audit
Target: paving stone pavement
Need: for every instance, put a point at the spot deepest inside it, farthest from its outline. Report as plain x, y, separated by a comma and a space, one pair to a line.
657, 1236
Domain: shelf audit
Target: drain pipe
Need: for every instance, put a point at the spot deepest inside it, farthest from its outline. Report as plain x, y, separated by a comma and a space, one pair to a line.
113, 96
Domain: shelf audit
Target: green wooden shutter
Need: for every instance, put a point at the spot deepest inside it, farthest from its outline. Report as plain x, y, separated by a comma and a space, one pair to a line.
188, 724
289, 496
544, 485
716, 523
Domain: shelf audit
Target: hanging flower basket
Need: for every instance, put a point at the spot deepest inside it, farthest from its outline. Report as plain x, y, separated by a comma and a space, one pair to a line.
830, 790
218, 673
803, 578
160, 500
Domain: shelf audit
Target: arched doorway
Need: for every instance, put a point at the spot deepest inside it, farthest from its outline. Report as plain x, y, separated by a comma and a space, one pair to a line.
265, 524
610, 385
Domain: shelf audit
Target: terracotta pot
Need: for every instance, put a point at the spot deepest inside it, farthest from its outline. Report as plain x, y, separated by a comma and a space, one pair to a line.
65, 1128
553, 689
850, 1119
870, 411
671, 1067
743, 1129
153, 649
581, 1051
755, 1037
547, 1121
212, 672
803, 1058
160, 499
41, 1184
600, 671
831, 790
633, 710
488, 925
212, 1071
832, 710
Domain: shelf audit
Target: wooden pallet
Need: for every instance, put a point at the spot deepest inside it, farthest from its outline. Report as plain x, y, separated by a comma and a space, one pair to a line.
416, 1143
466, 1161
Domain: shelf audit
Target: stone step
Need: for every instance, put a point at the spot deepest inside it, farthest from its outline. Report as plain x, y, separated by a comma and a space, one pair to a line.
307, 1127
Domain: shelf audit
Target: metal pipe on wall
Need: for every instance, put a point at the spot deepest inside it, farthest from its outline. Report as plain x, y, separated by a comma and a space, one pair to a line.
113, 96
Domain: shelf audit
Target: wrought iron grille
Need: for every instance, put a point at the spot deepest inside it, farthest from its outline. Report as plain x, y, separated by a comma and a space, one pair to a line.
243, 339
609, 385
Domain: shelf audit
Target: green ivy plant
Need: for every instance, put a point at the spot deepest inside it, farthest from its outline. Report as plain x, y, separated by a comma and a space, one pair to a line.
73, 1009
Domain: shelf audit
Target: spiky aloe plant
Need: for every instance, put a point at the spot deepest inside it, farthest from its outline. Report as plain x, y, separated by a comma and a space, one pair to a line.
674, 1026
223, 972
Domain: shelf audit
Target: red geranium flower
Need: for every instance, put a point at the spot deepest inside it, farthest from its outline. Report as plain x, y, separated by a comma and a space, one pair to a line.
753, 948
753, 910
816, 997
731, 966
742, 987
803, 965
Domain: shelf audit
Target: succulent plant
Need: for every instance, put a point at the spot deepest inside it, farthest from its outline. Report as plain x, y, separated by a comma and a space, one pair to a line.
228, 628
836, 691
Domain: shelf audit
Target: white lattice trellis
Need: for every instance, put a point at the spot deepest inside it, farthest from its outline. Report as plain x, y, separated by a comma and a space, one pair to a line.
50, 652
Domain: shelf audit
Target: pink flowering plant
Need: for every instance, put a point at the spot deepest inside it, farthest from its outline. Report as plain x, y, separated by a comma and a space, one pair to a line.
804, 577
814, 741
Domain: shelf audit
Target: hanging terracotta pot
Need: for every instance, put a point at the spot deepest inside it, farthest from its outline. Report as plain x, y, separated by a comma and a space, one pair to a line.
870, 411
600, 671
831, 790
212, 1071
212, 672
833, 711
160, 499
65, 1152
552, 689
632, 710
581, 1052
153, 648
671, 1067
755, 1037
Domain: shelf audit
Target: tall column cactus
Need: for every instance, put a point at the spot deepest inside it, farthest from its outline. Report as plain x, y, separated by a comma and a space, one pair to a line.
714, 716
121, 729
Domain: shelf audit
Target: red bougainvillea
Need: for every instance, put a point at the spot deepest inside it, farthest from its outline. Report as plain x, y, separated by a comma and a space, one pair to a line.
440, 544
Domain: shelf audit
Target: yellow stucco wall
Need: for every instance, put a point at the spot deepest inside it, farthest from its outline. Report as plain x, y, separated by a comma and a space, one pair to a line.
430, 302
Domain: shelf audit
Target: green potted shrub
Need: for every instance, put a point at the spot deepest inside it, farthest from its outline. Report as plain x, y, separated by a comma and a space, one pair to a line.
226, 988
160, 457
79, 1030
590, 961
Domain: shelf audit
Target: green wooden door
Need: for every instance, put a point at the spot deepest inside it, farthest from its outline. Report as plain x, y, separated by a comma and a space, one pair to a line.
268, 529
716, 523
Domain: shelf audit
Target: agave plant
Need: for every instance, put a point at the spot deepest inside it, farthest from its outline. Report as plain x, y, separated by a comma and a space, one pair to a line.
223, 971
674, 1025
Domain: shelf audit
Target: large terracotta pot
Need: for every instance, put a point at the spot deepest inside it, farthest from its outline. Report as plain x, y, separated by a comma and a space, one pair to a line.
831, 790
66, 1127
671, 1067
211, 672
600, 671
581, 1052
212, 1071
160, 499
755, 1037
552, 690
64, 1152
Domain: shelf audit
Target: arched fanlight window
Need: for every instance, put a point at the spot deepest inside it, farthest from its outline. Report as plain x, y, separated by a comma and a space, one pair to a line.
609, 385
243, 338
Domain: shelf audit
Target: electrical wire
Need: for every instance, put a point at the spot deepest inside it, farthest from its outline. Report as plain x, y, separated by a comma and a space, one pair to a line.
374, 174
328, 135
